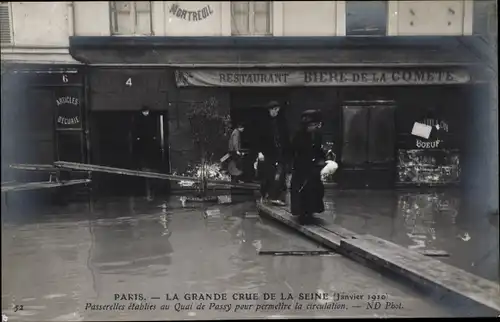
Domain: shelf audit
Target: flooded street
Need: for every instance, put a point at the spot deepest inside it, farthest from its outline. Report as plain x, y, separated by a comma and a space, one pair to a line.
422, 220
67, 264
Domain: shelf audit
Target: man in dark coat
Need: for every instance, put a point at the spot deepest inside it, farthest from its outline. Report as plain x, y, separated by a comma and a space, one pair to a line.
146, 146
274, 155
307, 189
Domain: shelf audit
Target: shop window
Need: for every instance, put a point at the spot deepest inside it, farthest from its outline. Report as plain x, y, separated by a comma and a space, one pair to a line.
366, 18
5, 24
251, 18
485, 20
131, 17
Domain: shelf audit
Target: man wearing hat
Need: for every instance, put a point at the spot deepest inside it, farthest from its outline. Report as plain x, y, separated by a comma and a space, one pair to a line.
307, 189
274, 155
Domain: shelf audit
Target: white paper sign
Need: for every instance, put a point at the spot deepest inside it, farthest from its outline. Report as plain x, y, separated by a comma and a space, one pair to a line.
421, 130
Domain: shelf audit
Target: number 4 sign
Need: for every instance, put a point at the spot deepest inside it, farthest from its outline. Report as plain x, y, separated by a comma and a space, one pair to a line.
129, 82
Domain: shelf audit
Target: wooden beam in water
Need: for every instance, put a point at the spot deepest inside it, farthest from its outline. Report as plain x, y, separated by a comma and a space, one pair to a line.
147, 174
38, 167
425, 270
34, 167
21, 186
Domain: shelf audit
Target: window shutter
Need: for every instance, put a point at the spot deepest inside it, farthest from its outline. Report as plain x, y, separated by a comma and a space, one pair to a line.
5, 27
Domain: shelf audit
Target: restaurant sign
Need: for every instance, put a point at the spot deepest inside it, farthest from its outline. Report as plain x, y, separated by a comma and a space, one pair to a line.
333, 77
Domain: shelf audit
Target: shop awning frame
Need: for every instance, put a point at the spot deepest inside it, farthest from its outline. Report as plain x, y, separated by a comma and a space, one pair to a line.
274, 52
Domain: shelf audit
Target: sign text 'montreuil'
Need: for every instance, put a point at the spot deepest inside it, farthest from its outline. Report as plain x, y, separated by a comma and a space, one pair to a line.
320, 78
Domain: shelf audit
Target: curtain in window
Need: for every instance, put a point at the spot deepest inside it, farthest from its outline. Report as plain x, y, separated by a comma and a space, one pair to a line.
131, 18
240, 11
262, 19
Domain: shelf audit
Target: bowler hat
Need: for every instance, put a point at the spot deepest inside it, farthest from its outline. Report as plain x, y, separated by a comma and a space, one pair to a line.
311, 116
273, 104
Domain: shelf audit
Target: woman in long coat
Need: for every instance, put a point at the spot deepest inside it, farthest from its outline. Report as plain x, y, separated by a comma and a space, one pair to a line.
307, 189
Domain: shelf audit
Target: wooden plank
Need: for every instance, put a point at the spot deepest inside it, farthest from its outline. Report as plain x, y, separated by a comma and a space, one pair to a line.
298, 253
416, 266
147, 174
18, 186
316, 233
434, 253
422, 269
35, 167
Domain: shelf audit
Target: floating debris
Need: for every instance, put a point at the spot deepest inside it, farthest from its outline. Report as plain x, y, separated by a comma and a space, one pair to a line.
298, 253
183, 200
212, 213
202, 199
466, 237
226, 199
434, 253
252, 214
187, 183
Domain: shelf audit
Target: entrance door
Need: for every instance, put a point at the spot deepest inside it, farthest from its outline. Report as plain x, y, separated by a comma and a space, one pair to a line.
113, 138
149, 145
368, 145
148, 142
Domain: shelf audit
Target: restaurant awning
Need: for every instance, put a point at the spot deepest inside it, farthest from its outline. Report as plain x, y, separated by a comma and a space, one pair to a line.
274, 52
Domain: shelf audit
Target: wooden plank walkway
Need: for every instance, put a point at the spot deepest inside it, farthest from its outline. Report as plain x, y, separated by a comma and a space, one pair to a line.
147, 174
35, 167
22, 186
404, 262
422, 269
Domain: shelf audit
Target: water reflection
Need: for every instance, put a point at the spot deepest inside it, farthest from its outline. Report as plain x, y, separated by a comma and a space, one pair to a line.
421, 220
132, 245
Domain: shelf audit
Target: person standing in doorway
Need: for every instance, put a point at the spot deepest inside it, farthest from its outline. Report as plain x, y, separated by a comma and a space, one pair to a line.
274, 155
307, 190
145, 145
235, 164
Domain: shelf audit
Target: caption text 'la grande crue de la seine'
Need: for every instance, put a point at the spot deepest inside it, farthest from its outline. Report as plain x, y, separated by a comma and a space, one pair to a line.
247, 302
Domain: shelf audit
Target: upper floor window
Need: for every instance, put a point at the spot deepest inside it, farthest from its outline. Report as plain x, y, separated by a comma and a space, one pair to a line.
251, 18
485, 20
366, 18
5, 24
131, 17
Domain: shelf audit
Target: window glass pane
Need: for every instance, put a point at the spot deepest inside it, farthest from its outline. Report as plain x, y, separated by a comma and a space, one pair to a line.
124, 24
69, 146
239, 7
485, 18
143, 6
143, 23
239, 18
261, 6
262, 24
368, 18
123, 20
122, 6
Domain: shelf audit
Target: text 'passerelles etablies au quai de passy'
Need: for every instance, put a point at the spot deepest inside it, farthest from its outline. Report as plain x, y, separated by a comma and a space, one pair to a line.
246, 302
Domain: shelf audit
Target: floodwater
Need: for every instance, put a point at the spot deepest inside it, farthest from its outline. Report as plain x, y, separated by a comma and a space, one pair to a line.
421, 220
119, 259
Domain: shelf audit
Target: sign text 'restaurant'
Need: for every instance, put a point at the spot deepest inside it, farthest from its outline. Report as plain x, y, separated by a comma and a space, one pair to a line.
320, 78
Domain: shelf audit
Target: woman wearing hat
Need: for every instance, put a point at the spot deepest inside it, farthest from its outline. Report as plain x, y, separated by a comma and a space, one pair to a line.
307, 189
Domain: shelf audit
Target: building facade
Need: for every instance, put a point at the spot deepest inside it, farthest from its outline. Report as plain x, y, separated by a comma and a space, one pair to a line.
373, 67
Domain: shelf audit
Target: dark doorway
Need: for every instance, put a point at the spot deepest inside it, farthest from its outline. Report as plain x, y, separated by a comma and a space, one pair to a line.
116, 142
249, 107
368, 145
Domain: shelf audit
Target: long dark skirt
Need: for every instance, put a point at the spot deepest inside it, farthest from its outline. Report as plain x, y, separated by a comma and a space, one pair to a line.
307, 192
